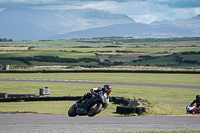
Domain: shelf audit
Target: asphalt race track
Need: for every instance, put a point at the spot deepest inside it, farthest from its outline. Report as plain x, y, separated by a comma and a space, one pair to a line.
35, 123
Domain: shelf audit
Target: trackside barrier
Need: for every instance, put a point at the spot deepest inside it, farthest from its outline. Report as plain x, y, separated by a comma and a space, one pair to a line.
41, 99
125, 102
100, 71
129, 105
130, 110
16, 98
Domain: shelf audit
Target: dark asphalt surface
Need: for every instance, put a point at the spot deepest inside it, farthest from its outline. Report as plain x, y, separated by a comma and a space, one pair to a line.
17, 123
99, 82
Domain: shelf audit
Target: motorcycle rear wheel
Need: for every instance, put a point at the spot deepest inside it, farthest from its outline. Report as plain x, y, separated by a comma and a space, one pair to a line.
94, 109
72, 111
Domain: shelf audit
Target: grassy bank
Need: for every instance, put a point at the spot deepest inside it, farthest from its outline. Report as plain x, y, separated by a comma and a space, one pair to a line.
68, 89
65, 89
61, 107
48, 107
175, 79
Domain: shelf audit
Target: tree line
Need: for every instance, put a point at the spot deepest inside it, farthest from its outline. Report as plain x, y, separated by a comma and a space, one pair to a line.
53, 59
119, 40
6, 40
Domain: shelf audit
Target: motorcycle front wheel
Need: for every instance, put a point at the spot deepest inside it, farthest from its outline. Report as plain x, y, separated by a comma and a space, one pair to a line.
72, 111
94, 109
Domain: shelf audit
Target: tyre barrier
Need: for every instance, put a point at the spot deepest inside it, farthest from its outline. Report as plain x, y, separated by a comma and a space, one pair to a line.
16, 99
130, 110
117, 100
41, 99
29, 97
139, 110
125, 102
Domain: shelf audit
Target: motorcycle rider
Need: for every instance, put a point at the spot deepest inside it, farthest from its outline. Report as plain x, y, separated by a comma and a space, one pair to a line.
97, 92
197, 101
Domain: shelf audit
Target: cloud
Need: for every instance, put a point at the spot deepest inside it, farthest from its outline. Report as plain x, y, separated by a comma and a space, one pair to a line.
145, 11
183, 3
28, 1
170, 3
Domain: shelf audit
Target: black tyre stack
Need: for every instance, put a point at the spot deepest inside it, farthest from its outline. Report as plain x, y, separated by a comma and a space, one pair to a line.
130, 106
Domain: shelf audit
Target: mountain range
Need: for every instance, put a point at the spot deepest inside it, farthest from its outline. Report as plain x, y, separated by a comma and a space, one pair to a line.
27, 24
178, 28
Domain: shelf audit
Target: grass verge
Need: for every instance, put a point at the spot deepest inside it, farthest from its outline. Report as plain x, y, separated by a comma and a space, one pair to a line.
151, 78
68, 89
61, 108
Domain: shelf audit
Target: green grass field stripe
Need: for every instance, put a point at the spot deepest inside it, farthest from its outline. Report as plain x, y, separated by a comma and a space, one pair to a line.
102, 82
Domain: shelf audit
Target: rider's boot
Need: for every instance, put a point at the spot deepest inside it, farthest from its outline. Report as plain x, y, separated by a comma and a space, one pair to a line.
78, 103
198, 109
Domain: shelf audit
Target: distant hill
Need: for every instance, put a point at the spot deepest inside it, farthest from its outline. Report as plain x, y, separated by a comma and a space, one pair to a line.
22, 23
192, 23
136, 30
27, 24
19, 30
189, 23
178, 28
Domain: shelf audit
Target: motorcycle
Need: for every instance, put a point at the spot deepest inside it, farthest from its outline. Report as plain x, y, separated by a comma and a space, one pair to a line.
192, 110
89, 107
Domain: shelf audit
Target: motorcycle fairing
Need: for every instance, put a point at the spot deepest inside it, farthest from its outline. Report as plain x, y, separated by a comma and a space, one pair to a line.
86, 104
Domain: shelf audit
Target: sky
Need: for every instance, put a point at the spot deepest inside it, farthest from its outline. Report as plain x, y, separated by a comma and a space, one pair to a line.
142, 11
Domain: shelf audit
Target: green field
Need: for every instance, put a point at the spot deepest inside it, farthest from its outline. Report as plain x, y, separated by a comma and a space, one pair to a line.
132, 49
185, 49
111, 49
105, 41
39, 53
176, 79
152, 94
107, 51
161, 61
191, 57
12, 62
37, 63
155, 59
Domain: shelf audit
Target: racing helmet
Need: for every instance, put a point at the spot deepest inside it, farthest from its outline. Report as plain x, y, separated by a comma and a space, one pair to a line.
198, 97
107, 89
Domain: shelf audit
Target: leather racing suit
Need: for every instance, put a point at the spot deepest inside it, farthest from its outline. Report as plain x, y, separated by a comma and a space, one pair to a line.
197, 103
100, 92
